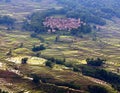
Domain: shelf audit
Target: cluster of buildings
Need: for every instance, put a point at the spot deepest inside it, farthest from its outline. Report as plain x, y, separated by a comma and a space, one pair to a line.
68, 24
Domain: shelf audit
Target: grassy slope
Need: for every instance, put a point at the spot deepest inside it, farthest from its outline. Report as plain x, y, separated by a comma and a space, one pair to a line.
59, 50
74, 52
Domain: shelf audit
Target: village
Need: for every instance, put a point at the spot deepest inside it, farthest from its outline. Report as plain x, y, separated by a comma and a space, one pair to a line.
67, 24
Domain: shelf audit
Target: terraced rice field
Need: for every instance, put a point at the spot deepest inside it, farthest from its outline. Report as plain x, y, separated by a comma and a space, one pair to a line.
75, 51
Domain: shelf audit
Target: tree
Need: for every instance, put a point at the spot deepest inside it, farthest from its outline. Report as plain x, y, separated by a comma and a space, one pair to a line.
97, 89
49, 64
83, 29
57, 38
58, 61
24, 60
6, 20
9, 52
38, 48
76, 69
95, 62
36, 78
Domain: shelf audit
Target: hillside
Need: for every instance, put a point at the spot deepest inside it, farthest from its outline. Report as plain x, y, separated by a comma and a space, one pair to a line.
93, 11
59, 46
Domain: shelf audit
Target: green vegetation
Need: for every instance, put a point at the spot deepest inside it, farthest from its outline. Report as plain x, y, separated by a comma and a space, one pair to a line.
84, 29
102, 74
24, 60
38, 48
49, 64
98, 89
6, 20
92, 11
35, 23
95, 62
36, 79
57, 61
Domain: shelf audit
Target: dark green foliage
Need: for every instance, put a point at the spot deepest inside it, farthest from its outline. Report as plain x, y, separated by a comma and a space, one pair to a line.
88, 11
97, 89
76, 69
36, 20
49, 63
92, 11
95, 20
102, 74
95, 62
35, 23
6, 20
36, 79
38, 48
52, 59
86, 17
83, 29
57, 61
68, 64
24, 60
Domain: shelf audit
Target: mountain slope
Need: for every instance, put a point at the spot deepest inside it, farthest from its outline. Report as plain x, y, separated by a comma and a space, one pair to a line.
91, 10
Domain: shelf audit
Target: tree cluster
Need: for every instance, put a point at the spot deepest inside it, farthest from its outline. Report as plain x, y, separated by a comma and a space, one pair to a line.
95, 62
38, 48
83, 29
102, 74
92, 11
51, 61
24, 60
35, 22
6, 20
97, 89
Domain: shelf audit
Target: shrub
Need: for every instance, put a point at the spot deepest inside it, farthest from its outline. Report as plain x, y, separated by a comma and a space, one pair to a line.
36, 79
49, 64
24, 60
97, 89
61, 62
95, 62
38, 48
